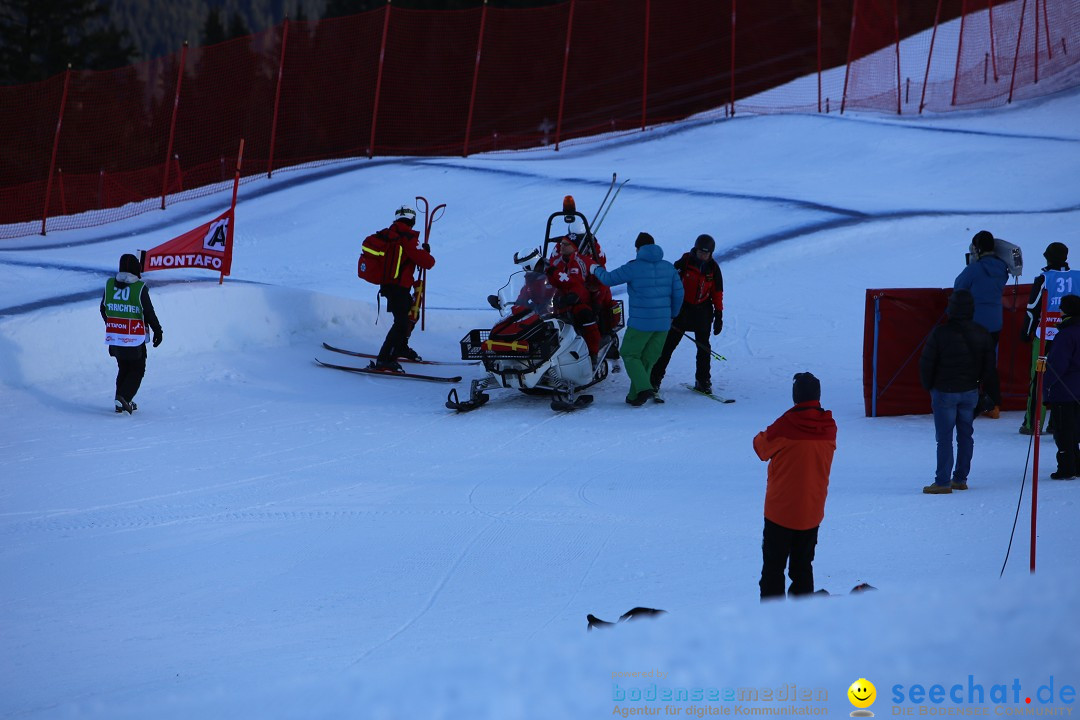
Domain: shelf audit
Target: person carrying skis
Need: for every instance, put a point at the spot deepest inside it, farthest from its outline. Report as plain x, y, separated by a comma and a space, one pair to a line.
567, 273
397, 290
702, 309
799, 448
656, 294
1057, 258
127, 310
986, 279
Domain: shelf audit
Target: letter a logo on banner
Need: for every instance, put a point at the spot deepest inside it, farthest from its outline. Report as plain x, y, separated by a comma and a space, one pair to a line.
216, 235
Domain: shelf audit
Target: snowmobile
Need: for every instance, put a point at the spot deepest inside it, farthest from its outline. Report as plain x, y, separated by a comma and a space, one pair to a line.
535, 348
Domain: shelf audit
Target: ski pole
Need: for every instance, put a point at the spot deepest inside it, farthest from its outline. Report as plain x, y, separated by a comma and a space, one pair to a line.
420, 301
597, 213
601, 220
703, 346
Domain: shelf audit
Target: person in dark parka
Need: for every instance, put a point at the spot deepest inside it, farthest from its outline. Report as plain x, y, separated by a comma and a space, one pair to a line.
1061, 389
958, 357
127, 311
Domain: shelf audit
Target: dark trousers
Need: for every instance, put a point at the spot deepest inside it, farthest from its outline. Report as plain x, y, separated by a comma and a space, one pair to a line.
130, 368
1067, 437
698, 320
794, 549
398, 303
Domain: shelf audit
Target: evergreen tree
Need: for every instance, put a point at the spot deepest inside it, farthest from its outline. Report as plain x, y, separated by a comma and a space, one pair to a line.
39, 38
213, 31
237, 27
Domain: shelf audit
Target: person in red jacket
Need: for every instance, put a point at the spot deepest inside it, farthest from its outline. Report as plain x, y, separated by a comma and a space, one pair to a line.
397, 289
568, 272
702, 309
799, 448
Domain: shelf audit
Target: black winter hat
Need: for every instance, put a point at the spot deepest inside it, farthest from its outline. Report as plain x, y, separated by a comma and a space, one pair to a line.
1057, 254
805, 387
1070, 306
643, 238
130, 264
983, 241
961, 305
705, 242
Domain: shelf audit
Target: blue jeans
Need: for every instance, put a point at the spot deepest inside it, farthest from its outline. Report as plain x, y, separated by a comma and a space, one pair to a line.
953, 410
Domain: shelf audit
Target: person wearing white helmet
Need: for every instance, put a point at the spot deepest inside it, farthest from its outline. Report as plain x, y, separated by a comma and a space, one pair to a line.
398, 286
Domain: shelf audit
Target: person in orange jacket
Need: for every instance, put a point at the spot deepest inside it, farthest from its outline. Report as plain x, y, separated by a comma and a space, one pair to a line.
799, 448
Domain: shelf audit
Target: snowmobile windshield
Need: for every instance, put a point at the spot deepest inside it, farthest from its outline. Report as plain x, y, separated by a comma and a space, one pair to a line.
527, 289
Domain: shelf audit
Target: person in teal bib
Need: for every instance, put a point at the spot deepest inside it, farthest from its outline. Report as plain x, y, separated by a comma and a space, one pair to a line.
127, 311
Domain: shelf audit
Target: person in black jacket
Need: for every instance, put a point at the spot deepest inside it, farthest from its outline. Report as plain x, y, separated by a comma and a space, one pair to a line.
702, 310
127, 311
958, 357
1057, 258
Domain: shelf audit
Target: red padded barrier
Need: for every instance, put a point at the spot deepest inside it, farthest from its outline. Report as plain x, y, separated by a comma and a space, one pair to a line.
896, 326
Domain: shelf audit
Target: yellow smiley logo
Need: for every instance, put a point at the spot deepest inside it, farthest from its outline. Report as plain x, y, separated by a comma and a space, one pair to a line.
862, 693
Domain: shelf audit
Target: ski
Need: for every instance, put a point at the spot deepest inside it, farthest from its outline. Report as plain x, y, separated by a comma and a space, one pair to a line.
390, 373
717, 398
356, 353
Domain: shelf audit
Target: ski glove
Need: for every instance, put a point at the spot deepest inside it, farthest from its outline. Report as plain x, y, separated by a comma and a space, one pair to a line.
427, 248
157, 338
493, 301
718, 322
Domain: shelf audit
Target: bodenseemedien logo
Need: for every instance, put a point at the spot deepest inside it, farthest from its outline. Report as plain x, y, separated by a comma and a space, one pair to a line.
862, 695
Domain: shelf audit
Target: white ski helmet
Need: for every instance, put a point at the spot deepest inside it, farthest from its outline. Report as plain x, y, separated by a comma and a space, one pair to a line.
405, 213
526, 259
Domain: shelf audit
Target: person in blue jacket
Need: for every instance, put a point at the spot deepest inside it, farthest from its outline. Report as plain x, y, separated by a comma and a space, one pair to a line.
985, 279
656, 294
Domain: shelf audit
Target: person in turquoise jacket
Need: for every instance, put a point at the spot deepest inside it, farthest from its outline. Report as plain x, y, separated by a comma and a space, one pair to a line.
656, 294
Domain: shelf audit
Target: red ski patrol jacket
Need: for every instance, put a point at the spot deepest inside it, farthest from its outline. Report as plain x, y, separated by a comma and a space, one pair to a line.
569, 275
415, 256
702, 282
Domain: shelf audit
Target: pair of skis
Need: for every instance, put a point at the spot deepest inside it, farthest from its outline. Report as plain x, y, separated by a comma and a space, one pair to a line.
391, 373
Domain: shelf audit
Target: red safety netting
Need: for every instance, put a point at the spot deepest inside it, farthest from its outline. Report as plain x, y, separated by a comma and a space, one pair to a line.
86, 148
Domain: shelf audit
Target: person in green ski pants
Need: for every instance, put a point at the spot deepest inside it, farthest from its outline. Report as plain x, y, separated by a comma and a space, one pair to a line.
656, 294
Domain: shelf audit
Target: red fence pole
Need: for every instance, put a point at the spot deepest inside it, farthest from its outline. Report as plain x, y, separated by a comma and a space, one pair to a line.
565, 67
732, 101
993, 50
645, 64
896, 31
1036, 48
277, 98
819, 55
1046, 24
56, 143
1040, 369
172, 124
476, 74
929, 57
378, 80
1016, 55
850, 50
959, 50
